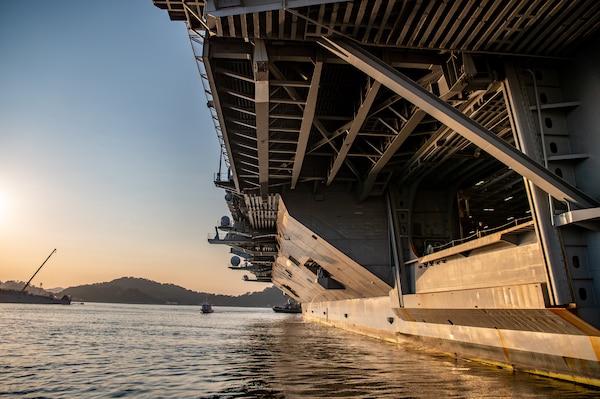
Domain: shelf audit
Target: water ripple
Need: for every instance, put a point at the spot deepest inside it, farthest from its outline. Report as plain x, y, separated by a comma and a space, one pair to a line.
125, 351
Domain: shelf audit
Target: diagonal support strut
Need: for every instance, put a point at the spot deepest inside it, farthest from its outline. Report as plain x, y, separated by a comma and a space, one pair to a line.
457, 121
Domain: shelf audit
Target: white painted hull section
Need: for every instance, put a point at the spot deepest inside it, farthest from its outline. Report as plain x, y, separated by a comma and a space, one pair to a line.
568, 356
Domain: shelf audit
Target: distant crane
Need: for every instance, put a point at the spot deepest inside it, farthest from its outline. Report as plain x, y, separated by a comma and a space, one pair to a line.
39, 268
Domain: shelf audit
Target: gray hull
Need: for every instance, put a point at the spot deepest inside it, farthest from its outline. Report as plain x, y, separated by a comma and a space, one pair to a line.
20, 297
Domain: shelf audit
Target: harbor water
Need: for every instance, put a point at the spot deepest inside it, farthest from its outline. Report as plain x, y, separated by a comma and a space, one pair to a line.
114, 350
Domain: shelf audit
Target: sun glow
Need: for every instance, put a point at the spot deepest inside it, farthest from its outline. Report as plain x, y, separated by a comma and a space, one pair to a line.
4, 207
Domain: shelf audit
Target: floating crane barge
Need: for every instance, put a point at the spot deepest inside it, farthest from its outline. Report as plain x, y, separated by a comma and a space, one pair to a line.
422, 171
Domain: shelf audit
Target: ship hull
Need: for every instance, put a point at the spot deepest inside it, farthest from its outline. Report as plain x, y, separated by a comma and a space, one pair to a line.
20, 297
569, 352
433, 182
485, 299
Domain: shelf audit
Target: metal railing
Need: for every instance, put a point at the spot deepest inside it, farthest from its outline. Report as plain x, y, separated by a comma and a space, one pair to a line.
478, 234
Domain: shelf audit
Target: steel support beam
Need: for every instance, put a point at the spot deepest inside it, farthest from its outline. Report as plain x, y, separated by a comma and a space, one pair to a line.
260, 63
206, 51
391, 149
457, 121
359, 119
559, 290
307, 120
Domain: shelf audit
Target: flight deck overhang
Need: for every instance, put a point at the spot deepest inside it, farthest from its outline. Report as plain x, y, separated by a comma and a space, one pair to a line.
279, 134
379, 95
224, 8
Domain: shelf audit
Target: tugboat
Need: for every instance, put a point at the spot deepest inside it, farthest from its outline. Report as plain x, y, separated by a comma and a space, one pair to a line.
206, 308
22, 296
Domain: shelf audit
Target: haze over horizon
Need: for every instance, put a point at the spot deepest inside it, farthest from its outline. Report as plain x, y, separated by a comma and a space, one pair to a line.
33, 288
107, 149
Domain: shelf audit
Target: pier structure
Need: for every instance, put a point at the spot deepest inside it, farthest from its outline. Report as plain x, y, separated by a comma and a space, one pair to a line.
416, 170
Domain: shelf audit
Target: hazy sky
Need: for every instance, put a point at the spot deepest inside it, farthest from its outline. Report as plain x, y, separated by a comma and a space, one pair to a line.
107, 149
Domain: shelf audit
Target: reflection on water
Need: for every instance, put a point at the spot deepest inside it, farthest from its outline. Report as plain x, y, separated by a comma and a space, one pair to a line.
101, 350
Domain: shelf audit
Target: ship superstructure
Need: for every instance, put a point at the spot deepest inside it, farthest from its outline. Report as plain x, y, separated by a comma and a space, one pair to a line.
416, 170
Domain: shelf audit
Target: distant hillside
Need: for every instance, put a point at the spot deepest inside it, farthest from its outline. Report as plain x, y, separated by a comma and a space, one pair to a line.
32, 289
139, 290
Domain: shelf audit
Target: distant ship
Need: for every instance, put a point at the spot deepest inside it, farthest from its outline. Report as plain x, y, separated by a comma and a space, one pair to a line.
22, 296
13, 296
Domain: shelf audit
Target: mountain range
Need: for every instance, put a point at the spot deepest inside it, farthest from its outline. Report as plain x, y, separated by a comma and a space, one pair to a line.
144, 291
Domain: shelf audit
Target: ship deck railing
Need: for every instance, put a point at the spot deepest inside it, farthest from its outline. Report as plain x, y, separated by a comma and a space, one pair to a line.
228, 239
512, 225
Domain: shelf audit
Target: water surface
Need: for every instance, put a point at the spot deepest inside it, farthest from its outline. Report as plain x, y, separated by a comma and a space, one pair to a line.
113, 350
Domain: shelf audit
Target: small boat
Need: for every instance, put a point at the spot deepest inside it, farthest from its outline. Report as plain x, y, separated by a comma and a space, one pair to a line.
290, 307
206, 308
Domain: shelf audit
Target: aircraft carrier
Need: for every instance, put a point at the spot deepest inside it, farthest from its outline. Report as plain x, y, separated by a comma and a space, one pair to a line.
415, 170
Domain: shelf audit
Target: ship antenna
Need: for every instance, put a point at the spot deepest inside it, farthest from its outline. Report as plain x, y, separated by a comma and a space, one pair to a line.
39, 268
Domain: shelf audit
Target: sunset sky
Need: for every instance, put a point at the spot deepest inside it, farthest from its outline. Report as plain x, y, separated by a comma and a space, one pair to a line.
107, 149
